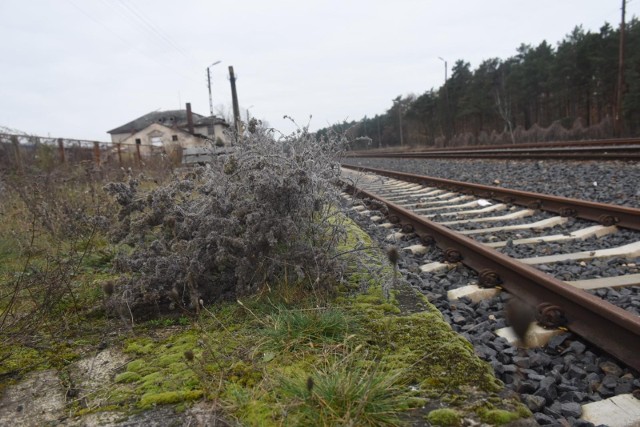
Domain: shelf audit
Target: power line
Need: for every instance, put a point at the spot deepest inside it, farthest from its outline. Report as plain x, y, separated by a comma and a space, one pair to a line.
128, 43
146, 21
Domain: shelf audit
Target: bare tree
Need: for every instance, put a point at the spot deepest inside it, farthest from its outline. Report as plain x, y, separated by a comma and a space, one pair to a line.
504, 107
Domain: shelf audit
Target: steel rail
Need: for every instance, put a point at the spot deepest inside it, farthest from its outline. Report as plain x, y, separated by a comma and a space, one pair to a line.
603, 324
602, 213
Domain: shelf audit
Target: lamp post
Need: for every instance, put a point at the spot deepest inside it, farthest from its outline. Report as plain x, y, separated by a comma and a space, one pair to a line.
248, 108
445, 68
400, 119
446, 101
209, 84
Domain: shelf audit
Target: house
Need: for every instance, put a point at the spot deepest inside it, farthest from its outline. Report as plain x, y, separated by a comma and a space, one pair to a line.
170, 132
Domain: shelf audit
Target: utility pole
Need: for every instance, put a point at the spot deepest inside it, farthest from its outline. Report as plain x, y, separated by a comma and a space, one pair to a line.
234, 97
248, 116
618, 125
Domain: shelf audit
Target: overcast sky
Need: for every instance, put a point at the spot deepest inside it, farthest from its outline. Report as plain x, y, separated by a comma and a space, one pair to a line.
78, 68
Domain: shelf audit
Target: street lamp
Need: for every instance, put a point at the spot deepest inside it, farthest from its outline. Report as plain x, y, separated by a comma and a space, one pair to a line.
446, 100
209, 84
399, 118
445, 68
248, 108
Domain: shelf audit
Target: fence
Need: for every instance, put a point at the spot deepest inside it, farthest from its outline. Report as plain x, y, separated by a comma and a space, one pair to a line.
21, 151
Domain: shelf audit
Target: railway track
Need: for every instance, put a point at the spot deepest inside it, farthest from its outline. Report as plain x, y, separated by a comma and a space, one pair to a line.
612, 149
481, 225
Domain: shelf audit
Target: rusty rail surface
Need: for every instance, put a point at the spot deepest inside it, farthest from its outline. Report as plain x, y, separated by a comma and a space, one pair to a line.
600, 322
602, 213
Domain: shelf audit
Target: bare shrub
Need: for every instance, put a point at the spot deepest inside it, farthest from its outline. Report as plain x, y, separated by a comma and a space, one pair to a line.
51, 225
66, 203
534, 133
555, 132
483, 138
519, 134
602, 130
578, 129
262, 214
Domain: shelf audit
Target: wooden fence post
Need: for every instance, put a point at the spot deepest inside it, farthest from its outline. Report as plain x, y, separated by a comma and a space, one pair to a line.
119, 154
16, 148
138, 158
96, 153
61, 150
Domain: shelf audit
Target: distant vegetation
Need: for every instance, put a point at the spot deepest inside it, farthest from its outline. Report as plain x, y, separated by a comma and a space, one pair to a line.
541, 93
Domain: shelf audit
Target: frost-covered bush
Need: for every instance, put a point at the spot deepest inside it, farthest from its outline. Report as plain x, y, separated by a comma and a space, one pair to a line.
262, 214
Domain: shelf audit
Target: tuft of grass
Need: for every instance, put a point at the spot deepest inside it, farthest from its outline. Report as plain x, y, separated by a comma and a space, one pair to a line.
295, 329
343, 394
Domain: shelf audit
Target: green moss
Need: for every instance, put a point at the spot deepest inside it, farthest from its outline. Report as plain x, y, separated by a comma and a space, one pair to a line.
250, 407
169, 359
137, 365
17, 358
169, 397
160, 373
127, 377
151, 380
431, 353
498, 416
390, 308
245, 375
444, 417
140, 346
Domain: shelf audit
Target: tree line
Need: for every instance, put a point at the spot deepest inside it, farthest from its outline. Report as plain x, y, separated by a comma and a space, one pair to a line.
541, 93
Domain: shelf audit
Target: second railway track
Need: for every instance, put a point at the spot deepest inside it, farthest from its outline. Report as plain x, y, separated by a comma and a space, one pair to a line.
613, 149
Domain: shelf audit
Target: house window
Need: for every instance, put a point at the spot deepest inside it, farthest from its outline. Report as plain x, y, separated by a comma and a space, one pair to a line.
174, 137
138, 141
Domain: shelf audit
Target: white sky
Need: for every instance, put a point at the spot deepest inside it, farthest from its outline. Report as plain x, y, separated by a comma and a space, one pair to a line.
78, 68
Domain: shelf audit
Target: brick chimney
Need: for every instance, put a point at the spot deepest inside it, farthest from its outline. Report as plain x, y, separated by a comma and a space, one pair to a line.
189, 118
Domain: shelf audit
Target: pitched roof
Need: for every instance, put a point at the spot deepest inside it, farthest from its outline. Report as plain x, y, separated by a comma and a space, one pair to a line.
167, 118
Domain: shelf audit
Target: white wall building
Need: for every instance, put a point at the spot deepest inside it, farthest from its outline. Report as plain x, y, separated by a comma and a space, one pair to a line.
170, 129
